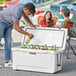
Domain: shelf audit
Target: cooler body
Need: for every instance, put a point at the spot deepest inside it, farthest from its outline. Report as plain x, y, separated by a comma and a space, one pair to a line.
39, 60
49, 62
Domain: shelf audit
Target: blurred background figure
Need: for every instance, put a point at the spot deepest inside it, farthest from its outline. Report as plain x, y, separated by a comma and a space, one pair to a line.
66, 15
47, 21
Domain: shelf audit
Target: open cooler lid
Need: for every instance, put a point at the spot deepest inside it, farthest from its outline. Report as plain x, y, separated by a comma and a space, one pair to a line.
48, 36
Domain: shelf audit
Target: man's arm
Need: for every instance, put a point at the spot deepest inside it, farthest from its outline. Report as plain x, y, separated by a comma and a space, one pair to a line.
29, 21
16, 25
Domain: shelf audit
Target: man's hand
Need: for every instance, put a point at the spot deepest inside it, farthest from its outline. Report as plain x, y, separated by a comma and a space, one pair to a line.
30, 36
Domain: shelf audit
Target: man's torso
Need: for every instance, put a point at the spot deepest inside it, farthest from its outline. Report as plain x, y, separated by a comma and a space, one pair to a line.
12, 13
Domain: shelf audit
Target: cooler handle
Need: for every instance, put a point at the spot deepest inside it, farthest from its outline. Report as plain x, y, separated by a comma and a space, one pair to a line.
58, 60
33, 53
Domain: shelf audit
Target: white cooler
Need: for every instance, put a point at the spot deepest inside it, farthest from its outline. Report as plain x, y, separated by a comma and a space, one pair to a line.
48, 61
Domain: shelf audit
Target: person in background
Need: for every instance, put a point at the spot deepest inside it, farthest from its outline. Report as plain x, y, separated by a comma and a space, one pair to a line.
47, 20
11, 16
66, 14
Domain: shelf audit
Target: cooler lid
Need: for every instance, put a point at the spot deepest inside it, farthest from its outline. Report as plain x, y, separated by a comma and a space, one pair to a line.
48, 36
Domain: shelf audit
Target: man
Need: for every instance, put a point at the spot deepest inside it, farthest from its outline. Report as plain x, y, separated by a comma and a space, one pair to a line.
11, 15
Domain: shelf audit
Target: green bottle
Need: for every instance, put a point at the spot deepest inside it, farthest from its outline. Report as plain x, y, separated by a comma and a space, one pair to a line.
27, 41
38, 46
46, 47
24, 46
32, 46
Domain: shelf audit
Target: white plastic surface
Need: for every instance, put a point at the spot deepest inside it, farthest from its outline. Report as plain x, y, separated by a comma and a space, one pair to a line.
32, 60
41, 60
48, 36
